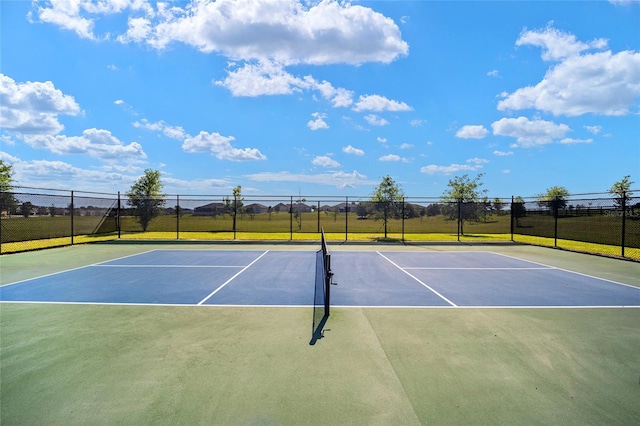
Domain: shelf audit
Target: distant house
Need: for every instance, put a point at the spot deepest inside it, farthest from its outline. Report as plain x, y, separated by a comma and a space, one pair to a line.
302, 208
256, 208
297, 207
210, 209
345, 208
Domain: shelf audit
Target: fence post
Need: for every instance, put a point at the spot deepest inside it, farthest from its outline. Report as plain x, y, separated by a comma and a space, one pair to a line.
403, 214
459, 217
555, 221
177, 216
624, 219
72, 214
1, 207
119, 217
512, 214
291, 218
235, 215
318, 216
346, 219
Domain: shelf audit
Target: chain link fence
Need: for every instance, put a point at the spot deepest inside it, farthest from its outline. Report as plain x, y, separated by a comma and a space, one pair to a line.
34, 218
609, 226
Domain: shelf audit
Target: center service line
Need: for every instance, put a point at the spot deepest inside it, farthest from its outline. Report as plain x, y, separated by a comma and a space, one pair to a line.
415, 278
231, 279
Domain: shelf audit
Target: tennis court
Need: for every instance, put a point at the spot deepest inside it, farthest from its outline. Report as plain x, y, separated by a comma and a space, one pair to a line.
286, 278
219, 334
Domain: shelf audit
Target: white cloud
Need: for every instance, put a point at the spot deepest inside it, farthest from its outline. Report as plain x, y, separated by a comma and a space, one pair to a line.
390, 158
529, 133
473, 164
289, 32
393, 158
79, 15
325, 161
173, 132
62, 175
406, 146
33, 107
374, 120
556, 44
493, 73
339, 97
97, 143
568, 141
478, 162
318, 122
598, 83
139, 30
417, 123
381, 140
66, 15
8, 158
351, 150
266, 77
472, 132
261, 78
339, 179
221, 147
594, 129
379, 103
502, 153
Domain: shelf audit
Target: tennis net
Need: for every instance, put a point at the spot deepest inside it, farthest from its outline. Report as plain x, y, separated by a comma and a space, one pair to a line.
322, 292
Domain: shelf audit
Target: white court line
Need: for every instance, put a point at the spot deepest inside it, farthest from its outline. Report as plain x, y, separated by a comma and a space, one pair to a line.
475, 269
568, 271
169, 266
415, 278
73, 269
191, 305
231, 279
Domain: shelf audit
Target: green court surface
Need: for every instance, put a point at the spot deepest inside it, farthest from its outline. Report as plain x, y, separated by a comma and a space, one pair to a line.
116, 364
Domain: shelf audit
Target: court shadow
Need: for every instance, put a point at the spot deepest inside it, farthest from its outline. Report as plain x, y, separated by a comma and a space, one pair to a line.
318, 333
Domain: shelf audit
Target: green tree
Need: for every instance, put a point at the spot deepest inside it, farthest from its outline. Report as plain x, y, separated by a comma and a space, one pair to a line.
555, 198
620, 192
235, 205
146, 197
297, 214
518, 209
6, 176
238, 204
386, 201
26, 208
498, 205
8, 202
467, 193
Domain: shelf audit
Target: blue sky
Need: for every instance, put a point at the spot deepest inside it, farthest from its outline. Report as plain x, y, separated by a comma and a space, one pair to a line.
320, 98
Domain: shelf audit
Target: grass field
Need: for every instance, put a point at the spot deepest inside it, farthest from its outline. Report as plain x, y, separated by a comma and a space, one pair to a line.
595, 234
100, 364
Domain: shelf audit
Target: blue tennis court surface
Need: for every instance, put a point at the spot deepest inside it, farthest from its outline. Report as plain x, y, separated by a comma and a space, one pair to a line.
286, 278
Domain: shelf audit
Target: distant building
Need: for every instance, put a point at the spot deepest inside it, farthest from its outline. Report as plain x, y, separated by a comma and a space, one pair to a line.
210, 209
256, 208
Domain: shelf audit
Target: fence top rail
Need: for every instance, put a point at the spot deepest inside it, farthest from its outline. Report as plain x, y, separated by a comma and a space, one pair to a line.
68, 192
300, 197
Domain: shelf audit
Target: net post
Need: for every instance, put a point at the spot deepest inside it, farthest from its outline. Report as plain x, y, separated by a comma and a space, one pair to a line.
72, 214
327, 286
